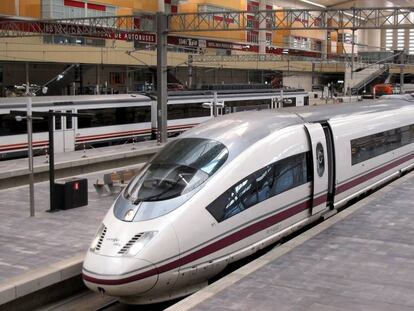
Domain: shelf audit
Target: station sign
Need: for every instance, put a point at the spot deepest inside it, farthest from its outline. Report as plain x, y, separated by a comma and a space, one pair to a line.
212, 44
98, 32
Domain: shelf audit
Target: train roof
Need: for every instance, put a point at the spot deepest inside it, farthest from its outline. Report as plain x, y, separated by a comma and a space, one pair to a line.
328, 112
74, 99
234, 91
136, 97
238, 131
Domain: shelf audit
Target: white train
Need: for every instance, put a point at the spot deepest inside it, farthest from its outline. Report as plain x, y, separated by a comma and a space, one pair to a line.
118, 118
237, 183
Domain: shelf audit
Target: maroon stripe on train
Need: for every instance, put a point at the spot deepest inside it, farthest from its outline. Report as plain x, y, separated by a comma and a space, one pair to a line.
111, 135
35, 145
320, 200
374, 173
211, 248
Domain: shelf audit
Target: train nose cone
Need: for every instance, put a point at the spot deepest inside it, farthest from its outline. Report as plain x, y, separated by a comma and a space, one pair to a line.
118, 276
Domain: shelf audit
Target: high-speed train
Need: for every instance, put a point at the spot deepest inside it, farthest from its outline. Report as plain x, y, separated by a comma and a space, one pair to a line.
237, 183
119, 118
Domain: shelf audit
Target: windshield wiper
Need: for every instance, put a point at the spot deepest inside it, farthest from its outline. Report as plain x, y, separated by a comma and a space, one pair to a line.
158, 196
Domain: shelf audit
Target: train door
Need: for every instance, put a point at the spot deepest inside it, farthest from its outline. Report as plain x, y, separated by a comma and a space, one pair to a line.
319, 152
58, 134
64, 133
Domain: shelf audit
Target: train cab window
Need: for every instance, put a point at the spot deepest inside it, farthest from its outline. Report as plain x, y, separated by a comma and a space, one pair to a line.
306, 101
367, 147
261, 185
181, 166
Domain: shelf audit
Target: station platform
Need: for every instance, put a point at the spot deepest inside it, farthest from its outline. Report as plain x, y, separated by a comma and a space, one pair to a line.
15, 172
359, 259
37, 252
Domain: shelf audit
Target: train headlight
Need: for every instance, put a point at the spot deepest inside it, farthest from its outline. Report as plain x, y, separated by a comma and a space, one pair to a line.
140, 243
97, 241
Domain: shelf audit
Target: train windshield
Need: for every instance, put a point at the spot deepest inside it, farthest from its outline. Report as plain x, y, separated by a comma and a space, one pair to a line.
183, 165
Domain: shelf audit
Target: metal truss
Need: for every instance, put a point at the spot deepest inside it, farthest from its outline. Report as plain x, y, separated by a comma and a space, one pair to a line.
294, 19
111, 27
128, 27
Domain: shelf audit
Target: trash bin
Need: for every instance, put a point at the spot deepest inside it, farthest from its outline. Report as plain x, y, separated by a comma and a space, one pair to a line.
70, 193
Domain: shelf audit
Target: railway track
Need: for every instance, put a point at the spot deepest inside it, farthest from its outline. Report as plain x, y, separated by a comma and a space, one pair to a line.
90, 301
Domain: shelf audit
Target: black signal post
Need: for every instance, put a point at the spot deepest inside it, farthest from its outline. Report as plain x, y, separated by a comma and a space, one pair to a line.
49, 115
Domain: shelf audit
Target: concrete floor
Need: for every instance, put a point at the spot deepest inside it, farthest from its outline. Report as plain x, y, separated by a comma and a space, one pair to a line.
28, 243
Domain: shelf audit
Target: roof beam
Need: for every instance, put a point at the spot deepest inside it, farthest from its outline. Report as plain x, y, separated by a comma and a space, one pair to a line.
135, 27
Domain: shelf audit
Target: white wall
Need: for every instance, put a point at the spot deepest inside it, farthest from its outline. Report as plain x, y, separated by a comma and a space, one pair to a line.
371, 38
298, 80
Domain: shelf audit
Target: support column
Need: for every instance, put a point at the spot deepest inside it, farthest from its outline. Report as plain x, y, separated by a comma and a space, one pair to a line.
161, 6
30, 154
27, 79
313, 76
190, 71
127, 79
98, 80
327, 40
161, 77
262, 33
352, 53
17, 7
402, 78
354, 19
50, 122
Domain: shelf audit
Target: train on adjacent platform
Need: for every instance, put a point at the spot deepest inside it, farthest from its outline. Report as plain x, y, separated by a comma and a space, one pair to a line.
120, 118
238, 183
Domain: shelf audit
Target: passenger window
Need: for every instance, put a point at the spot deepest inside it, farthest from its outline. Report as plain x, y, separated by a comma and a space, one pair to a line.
241, 197
262, 185
367, 147
284, 180
58, 122
69, 122
289, 102
264, 180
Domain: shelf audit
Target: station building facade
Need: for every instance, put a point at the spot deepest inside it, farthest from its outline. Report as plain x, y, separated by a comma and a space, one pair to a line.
104, 65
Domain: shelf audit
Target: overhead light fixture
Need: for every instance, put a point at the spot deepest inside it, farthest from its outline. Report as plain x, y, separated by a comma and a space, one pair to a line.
313, 3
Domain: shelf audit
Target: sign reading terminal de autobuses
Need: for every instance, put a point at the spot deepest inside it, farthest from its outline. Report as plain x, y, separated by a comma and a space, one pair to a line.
98, 32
